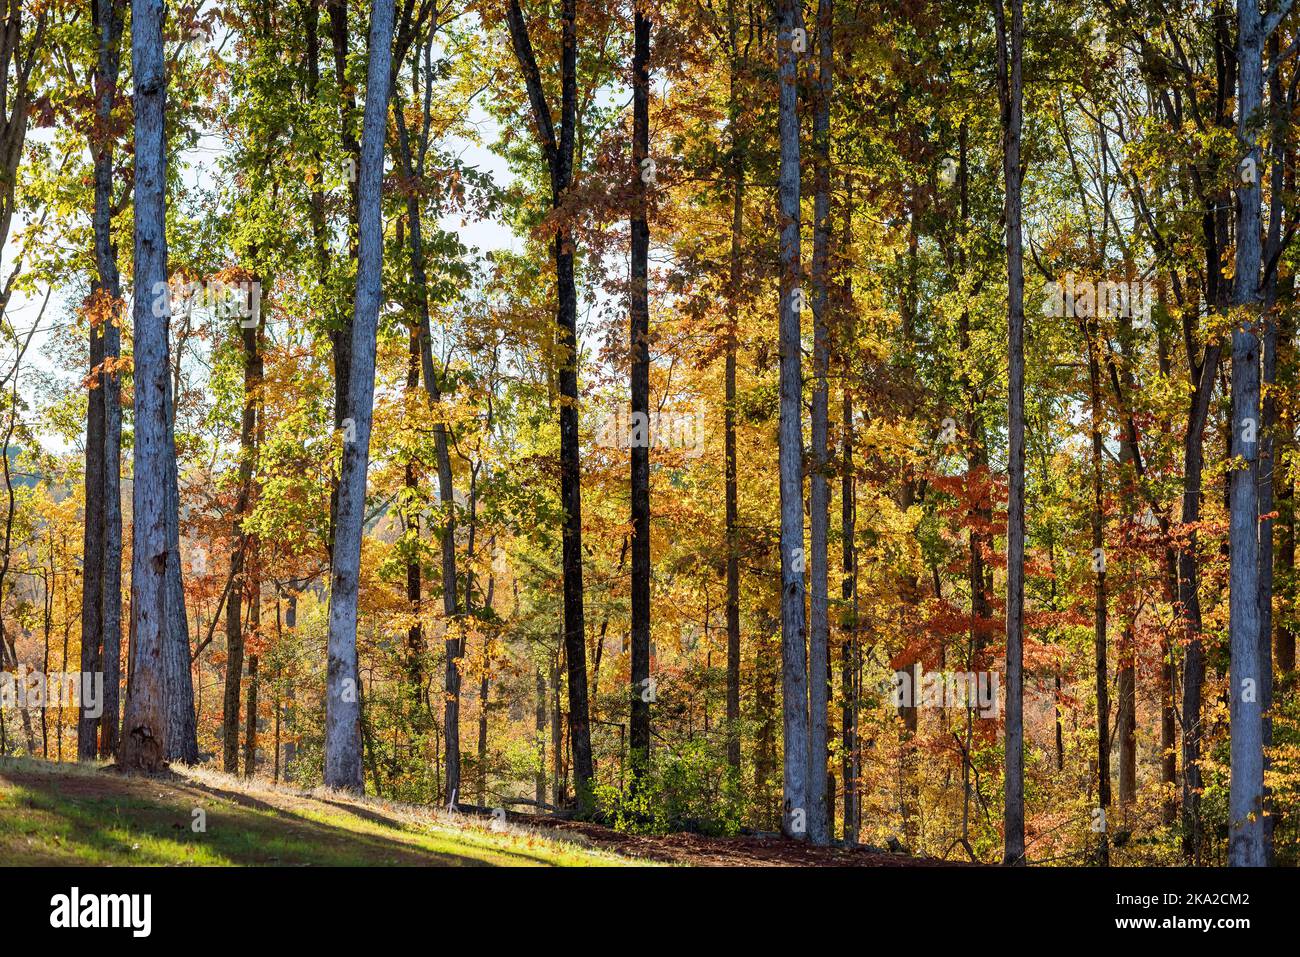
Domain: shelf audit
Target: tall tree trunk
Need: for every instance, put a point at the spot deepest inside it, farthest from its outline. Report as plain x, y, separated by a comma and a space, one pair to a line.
414, 591
93, 549
559, 154
413, 168
639, 316
1284, 557
244, 556
1202, 374
734, 278
341, 333
1098, 520
102, 577
1127, 670
182, 729
1247, 833
1009, 77
820, 801
110, 14
484, 689
794, 645
343, 769
539, 732
144, 726
1168, 665
729, 451
848, 523
557, 734
1269, 454
250, 721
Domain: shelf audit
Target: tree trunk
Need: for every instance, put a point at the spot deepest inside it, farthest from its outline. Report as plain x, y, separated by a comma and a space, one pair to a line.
250, 722
145, 720
412, 169
1009, 77
1247, 691
820, 800
559, 156
1091, 330
794, 646
639, 315
849, 587
343, 769
244, 556
93, 549
539, 732
101, 609
732, 496
557, 734
734, 279
484, 689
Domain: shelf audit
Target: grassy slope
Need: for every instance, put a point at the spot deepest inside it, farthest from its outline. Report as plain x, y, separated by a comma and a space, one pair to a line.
68, 814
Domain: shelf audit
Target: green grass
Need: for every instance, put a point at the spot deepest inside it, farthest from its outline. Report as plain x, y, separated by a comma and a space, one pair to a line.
84, 814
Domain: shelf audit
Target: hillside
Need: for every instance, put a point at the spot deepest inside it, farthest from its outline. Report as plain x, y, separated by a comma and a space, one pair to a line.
88, 814
70, 814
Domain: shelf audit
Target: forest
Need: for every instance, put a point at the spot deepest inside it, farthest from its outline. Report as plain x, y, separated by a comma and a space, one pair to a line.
844, 424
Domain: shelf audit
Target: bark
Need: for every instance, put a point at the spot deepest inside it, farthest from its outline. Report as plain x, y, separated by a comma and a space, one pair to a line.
1269, 456
559, 155
1009, 77
243, 557
413, 170
820, 799
1099, 592
1247, 839
1127, 672
639, 315
93, 547
182, 730
557, 784
732, 496
343, 767
145, 721
102, 578
484, 690
849, 587
110, 26
341, 338
250, 722
539, 732
414, 591
734, 278
794, 646
1284, 556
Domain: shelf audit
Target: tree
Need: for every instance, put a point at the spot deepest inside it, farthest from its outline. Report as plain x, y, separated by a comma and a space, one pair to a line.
144, 724
106, 589
559, 161
343, 768
1010, 47
1247, 840
791, 40
821, 799
639, 345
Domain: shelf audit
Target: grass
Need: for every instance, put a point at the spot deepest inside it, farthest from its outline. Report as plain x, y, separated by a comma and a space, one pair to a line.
89, 814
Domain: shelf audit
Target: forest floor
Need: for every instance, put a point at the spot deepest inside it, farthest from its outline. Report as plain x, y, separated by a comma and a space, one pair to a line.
699, 850
88, 814
91, 814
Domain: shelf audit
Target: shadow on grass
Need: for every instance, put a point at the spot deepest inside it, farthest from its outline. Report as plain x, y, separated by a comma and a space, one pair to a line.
109, 818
